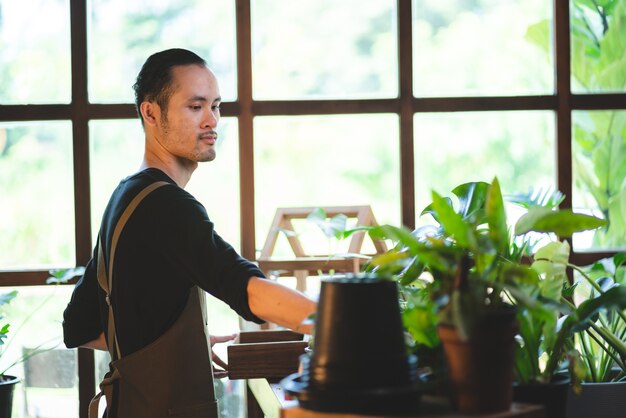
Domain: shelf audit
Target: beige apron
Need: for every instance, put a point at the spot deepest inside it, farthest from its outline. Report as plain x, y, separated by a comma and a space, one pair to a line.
172, 376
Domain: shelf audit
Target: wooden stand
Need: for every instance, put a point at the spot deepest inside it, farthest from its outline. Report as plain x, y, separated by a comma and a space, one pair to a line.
302, 263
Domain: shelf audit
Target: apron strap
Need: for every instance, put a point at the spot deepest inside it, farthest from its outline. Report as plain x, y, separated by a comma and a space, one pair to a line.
106, 283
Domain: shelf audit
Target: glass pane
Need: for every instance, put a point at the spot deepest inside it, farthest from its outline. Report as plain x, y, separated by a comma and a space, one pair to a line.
36, 195
124, 33
598, 33
216, 184
321, 161
482, 48
49, 379
324, 49
117, 151
456, 148
33, 51
599, 176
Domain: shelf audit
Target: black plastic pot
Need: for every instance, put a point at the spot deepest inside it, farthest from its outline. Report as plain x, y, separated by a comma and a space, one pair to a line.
359, 362
7, 385
552, 396
606, 400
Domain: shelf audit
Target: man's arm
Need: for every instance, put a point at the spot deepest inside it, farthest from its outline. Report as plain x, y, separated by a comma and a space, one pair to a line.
97, 344
279, 304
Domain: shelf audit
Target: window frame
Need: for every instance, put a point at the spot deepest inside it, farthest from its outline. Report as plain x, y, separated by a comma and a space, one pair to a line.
80, 112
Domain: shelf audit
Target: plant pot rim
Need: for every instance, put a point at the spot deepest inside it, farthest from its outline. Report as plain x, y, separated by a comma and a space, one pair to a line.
6, 379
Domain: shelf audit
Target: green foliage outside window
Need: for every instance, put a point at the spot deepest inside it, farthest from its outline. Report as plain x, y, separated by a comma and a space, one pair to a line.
598, 39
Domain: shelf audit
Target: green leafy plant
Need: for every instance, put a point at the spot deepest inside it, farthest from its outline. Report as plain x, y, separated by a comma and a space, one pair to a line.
599, 137
57, 276
472, 242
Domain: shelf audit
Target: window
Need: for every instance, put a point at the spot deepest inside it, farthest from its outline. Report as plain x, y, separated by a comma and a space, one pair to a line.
325, 103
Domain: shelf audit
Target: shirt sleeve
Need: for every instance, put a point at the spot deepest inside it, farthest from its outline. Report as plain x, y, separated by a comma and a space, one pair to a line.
81, 318
210, 262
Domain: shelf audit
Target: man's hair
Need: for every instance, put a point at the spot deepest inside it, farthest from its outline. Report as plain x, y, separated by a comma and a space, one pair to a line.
154, 81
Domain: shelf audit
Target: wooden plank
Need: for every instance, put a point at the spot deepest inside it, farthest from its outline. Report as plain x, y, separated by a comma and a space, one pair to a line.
431, 408
273, 360
324, 107
248, 337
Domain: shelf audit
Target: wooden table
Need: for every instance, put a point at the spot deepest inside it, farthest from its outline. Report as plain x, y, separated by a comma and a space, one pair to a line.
265, 398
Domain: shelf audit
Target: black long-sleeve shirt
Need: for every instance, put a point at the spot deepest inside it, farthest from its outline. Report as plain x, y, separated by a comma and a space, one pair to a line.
167, 246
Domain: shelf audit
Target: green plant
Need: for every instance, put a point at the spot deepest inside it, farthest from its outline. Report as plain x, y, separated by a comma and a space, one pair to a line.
587, 328
471, 263
599, 137
57, 277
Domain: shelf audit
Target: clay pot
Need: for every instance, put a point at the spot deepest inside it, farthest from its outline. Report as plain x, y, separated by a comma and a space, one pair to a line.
480, 369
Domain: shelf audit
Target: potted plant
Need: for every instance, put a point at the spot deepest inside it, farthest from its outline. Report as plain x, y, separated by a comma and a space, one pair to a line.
467, 274
8, 382
588, 337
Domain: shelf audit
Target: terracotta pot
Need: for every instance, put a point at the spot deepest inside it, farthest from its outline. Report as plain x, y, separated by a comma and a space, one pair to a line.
480, 369
552, 396
7, 385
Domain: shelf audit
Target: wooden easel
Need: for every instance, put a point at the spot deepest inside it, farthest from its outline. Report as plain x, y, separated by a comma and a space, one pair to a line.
301, 263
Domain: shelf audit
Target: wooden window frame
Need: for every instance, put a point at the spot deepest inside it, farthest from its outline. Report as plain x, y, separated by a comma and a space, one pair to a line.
245, 108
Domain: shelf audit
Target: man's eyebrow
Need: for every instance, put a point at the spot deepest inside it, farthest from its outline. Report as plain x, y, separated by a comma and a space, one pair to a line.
204, 99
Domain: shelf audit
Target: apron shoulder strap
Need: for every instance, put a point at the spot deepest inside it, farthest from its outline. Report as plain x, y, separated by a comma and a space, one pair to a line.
106, 280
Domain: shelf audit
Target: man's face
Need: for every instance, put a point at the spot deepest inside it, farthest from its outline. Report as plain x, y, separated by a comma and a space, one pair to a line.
187, 129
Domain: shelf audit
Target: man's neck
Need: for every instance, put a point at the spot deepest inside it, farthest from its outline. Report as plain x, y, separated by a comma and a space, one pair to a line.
180, 173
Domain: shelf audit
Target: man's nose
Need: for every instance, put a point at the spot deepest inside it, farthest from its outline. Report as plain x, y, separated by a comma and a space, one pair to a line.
210, 120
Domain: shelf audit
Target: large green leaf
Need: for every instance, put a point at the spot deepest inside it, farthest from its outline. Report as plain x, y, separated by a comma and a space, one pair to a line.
472, 197
333, 227
453, 223
564, 222
496, 218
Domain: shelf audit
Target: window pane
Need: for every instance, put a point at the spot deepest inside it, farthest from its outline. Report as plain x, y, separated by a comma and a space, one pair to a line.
124, 33
599, 176
36, 195
320, 161
116, 151
324, 49
216, 184
482, 48
598, 33
456, 148
49, 380
33, 51
117, 148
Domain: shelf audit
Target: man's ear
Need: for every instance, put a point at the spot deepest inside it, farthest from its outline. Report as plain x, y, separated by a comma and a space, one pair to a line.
150, 112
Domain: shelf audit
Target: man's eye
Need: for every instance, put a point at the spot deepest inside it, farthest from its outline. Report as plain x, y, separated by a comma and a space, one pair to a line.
217, 107
195, 107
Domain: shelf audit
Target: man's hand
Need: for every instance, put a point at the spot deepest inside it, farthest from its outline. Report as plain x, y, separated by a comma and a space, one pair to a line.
217, 372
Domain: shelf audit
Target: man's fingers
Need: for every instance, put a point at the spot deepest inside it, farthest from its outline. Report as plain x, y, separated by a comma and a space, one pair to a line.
219, 361
222, 338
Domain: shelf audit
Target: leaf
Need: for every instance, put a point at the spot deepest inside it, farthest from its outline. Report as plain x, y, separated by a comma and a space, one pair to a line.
472, 197
7, 297
333, 227
539, 35
64, 275
453, 223
496, 218
563, 222
542, 197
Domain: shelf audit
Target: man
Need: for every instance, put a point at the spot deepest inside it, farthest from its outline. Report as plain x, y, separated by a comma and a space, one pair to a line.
139, 297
